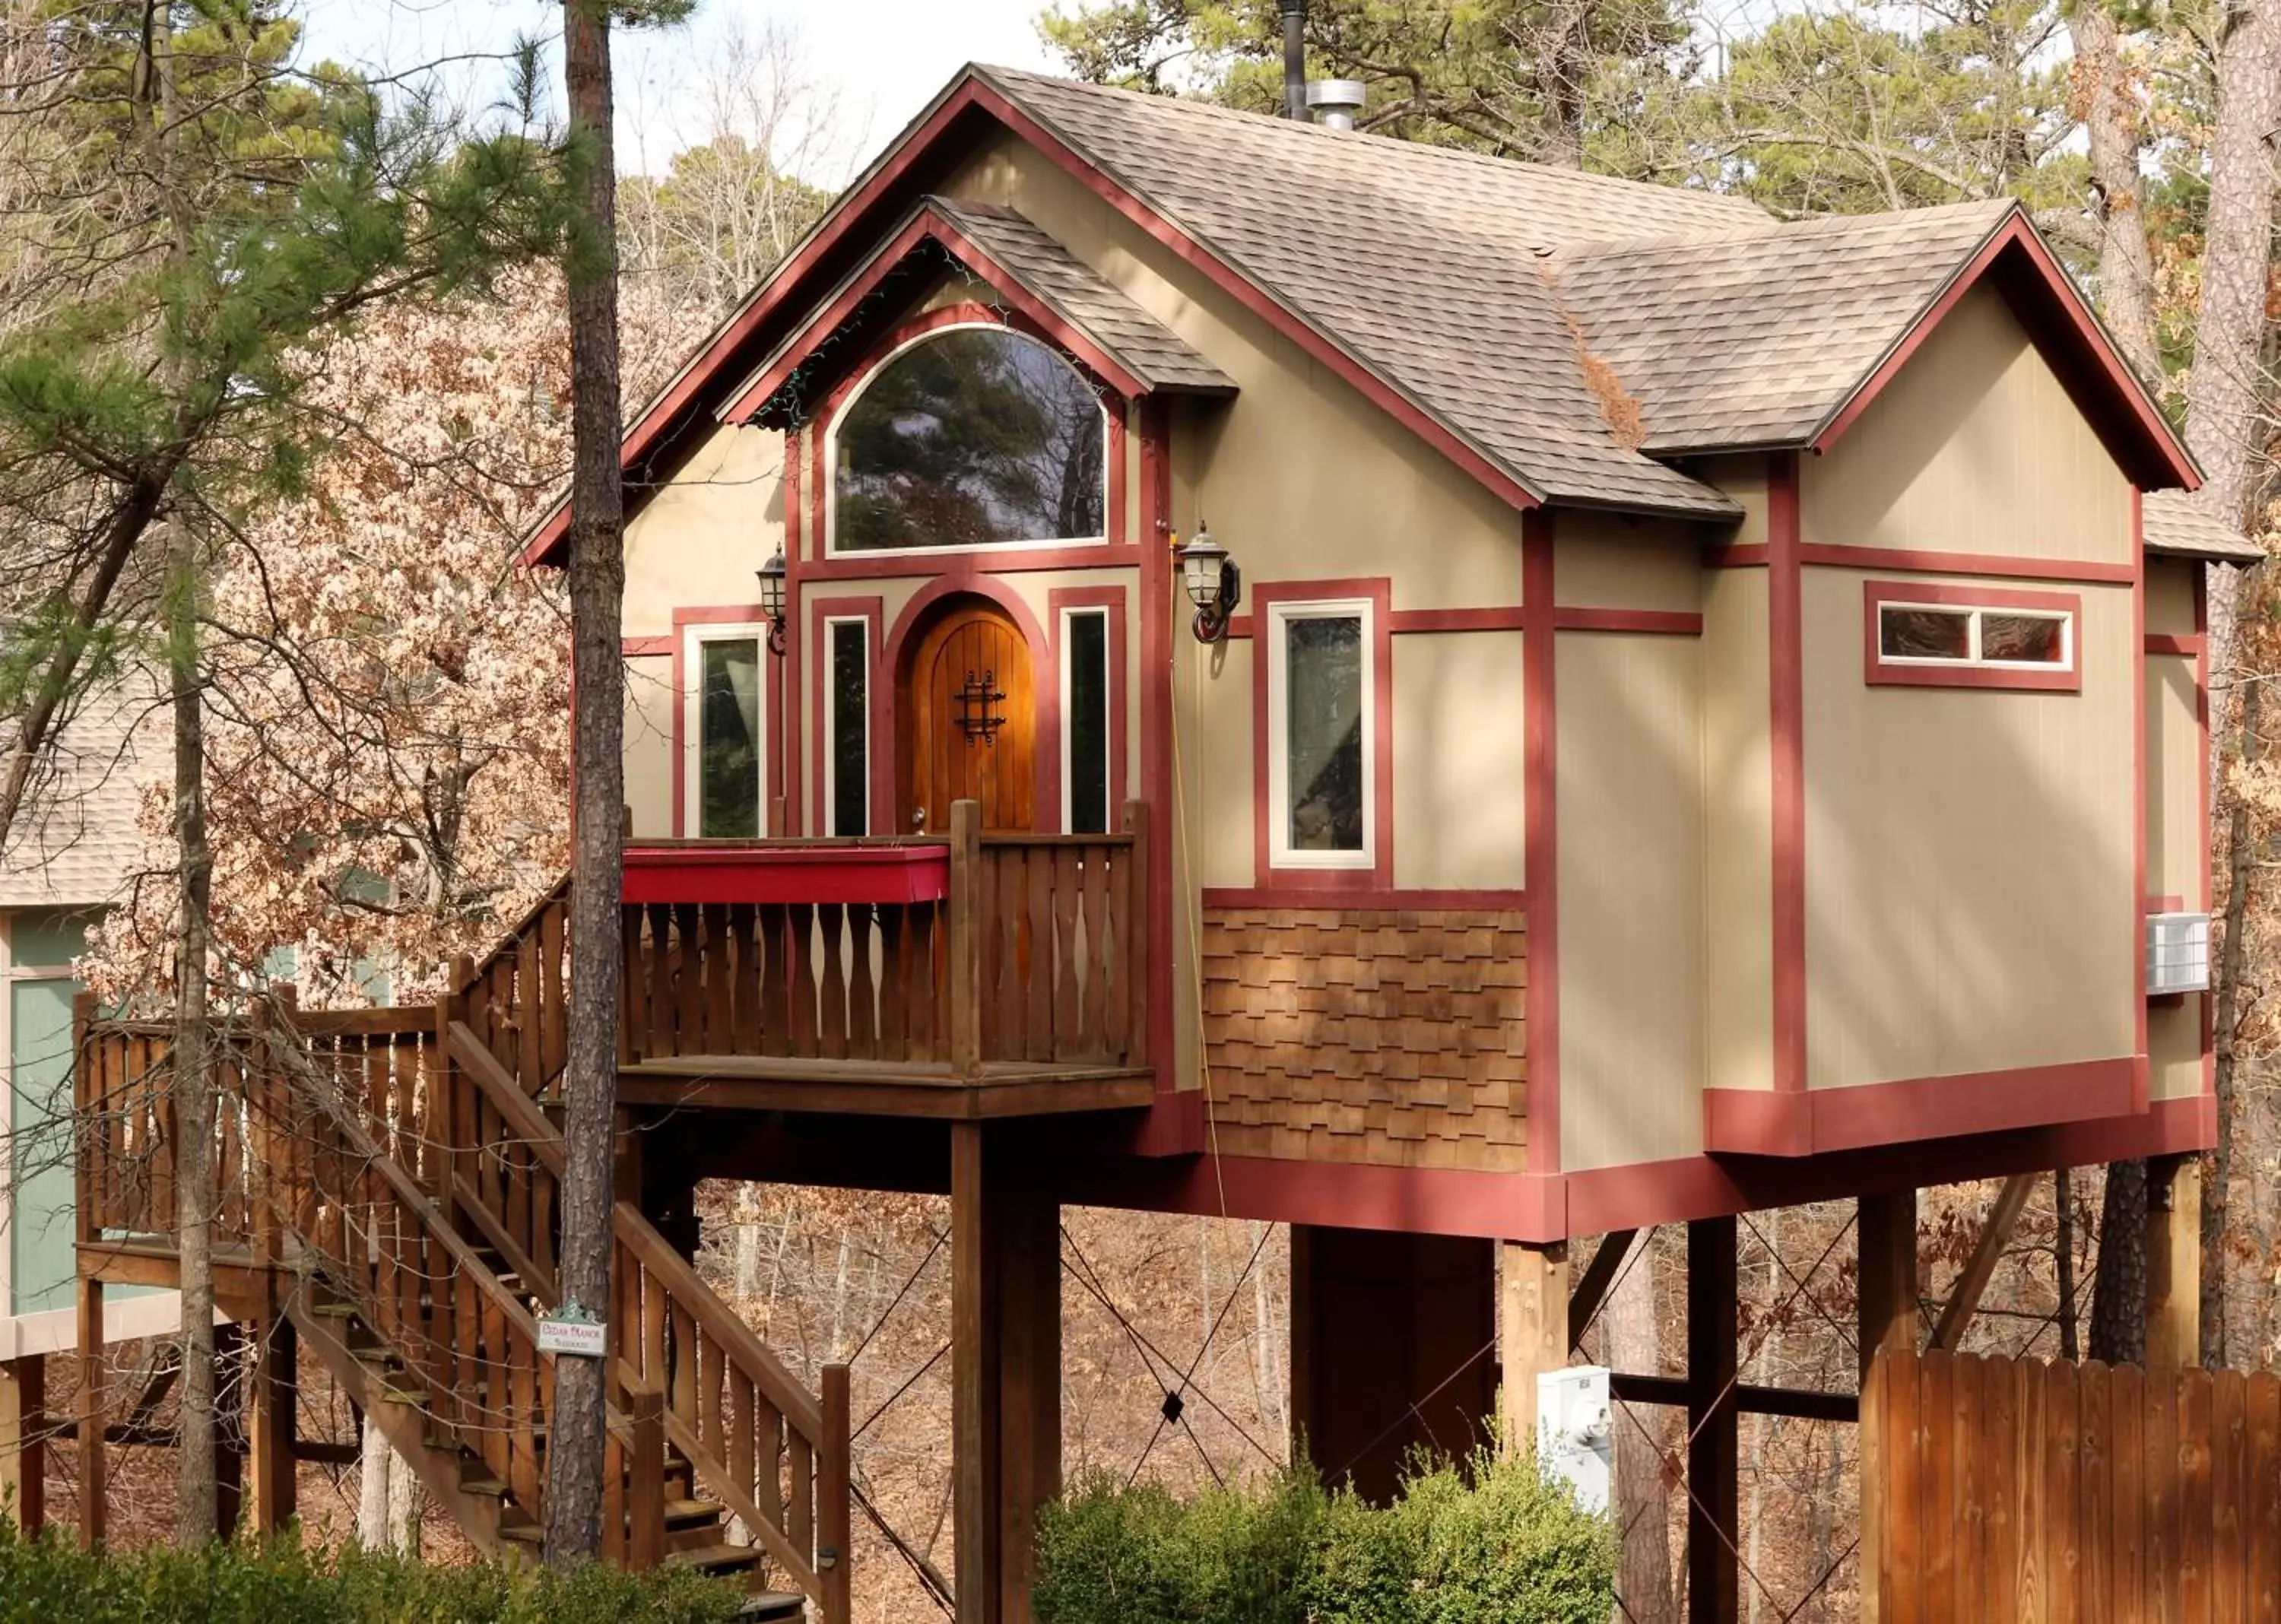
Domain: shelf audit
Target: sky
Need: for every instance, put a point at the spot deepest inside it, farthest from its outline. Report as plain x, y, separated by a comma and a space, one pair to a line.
882, 60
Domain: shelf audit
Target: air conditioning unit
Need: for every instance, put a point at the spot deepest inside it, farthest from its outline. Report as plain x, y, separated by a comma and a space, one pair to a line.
2177, 954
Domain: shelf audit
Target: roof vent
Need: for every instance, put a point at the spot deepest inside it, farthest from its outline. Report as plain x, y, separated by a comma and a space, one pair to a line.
1335, 102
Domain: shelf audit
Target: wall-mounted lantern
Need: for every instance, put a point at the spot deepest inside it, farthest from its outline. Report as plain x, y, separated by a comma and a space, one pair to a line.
1214, 583
772, 599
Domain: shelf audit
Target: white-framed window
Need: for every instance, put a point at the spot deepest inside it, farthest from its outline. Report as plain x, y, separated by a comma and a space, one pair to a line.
1991, 636
847, 725
1322, 748
724, 732
971, 436
1086, 733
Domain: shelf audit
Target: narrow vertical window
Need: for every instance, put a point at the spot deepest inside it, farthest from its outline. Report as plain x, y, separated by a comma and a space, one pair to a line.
1321, 753
725, 755
1085, 719
847, 725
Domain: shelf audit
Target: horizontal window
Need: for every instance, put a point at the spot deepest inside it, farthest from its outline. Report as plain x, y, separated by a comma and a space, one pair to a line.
1959, 637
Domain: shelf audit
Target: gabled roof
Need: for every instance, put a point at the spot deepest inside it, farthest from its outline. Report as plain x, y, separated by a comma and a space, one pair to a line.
1517, 318
1134, 351
79, 841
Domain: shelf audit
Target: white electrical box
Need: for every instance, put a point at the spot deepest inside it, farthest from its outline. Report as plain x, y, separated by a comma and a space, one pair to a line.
1575, 1436
2177, 954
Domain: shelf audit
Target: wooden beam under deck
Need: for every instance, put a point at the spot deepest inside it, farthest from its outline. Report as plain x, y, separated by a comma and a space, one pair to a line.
933, 1091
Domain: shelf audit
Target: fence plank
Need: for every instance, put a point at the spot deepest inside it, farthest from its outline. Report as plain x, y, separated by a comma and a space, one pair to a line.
2261, 1518
2193, 1446
2095, 1459
1936, 1502
2229, 1489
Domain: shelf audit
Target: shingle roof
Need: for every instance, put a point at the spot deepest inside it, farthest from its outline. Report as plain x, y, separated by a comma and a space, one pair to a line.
1756, 338
80, 843
1136, 340
2180, 524
1420, 262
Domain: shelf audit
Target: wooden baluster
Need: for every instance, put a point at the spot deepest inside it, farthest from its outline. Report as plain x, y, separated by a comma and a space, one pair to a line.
776, 959
633, 991
800, 1514
522, 1402
646, 1492
963, 955
531, 1062
833, 1484
553, 1005
832, 922
542, 1218
689, 981
1040, 965
742, 1446
654, 1368
1128, 1013
1012, 952
664, 1033
616, 1479
744, 981
681, 1388
863, 983
720, 982
1077, 940
894, 989
799, 980
769, 1447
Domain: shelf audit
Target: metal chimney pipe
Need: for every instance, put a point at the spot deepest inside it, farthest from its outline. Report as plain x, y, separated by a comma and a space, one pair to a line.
1295, 61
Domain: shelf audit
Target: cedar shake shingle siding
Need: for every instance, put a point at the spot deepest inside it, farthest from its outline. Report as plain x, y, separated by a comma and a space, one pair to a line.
1368, 1036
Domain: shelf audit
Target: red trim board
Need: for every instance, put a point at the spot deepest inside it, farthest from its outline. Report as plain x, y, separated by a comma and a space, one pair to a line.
744, 873
1915, 560
772, 677
1377, 590
1415, 901
1651, 623
1810, 1122
1112, 600
1170, 1128
2139, 783
645, 648
1880, 673
1540, 722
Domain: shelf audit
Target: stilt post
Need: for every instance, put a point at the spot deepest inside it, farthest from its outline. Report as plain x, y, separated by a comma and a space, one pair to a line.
93, 1490
1532, 1334
23, 1446
976, 1402
1714, 1432
269, 1453
1885, 1232
1030, 1374
2174, 1261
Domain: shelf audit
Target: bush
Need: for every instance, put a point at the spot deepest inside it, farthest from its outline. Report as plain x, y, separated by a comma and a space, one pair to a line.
47, 1581
1504, 1548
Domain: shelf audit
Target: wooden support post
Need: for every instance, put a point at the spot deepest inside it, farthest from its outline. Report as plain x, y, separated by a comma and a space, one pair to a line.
2174, 1261
269, 1443
229, 1427
1995, 1235
1030, 1376
833, 1490
23, 1445
93, 1490
1885, 1232
975, 1394
1713, 1432
964, 947
1533, 1334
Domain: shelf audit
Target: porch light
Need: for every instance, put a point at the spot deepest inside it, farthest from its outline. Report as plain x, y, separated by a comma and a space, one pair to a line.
1214, 583
772, 599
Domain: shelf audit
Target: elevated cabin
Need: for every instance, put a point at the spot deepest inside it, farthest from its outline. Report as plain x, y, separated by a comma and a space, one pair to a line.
1715, 717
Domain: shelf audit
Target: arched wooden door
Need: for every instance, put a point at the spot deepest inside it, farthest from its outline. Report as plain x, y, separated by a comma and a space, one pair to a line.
969, 722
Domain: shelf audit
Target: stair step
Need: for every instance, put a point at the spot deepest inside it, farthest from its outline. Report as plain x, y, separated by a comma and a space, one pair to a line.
718, 1558
772, 1607
403, 1395
487, 1488
335, 1310
525, 1534
692, 1510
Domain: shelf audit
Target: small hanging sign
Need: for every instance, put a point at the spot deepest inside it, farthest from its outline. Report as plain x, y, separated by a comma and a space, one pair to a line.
571, 1330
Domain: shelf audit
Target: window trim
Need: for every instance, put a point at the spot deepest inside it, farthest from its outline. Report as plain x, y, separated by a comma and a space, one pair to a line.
689, 720
829, 473
1274, 604
879, 808
1880, 670
1065, 605
827, 698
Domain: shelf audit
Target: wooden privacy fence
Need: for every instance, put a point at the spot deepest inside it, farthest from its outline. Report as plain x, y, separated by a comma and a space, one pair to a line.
1995, 1490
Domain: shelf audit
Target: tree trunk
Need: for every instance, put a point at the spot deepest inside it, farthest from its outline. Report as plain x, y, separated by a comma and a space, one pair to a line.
1563, 63
2118, 1301
2126, 263
196, 1499
597, 579
388, 1494
2217, 1174
1635, 1342
2063, 1256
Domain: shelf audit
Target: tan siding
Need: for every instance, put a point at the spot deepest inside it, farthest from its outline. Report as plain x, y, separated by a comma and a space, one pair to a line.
1394, 1038
1212, 688
1458, 760
1603, 561
649, 746
699, 539
1738, 849
2170, 596
1631, 897
2174, 1049
2175, 853
1969, 859
1743, 478
1973, 447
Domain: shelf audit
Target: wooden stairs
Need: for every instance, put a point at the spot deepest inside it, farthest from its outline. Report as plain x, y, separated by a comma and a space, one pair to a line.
395, 1177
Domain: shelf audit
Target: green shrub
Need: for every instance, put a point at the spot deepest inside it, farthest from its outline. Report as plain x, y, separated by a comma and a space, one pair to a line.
1504, 1548
48, 1582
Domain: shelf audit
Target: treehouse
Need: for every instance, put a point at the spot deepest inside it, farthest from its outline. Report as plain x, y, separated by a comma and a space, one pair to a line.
1192, 662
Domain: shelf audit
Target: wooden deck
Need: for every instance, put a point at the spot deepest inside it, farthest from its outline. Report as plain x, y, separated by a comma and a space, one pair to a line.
927, 1089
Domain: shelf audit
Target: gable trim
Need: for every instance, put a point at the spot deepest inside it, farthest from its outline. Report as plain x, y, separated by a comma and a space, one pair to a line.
2159, 460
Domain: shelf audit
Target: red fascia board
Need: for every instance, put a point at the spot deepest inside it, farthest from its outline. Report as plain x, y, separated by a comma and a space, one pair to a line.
885, 873
2069, 338
932, 226
1811, 1121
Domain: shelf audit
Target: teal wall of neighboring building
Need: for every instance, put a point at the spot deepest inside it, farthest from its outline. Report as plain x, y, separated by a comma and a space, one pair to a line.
43, 945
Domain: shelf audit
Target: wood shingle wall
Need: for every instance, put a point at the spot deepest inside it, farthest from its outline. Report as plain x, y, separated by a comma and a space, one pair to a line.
1361, 1035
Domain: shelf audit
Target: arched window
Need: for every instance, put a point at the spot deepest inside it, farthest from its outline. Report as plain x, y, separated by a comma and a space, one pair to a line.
974, 436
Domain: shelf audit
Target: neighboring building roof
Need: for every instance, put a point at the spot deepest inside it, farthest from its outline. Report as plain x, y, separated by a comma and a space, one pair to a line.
79, 841
2180, 524
1553, 332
